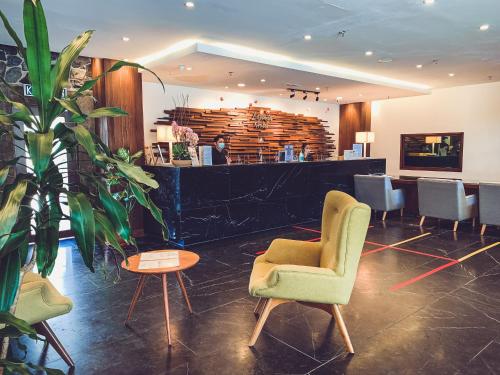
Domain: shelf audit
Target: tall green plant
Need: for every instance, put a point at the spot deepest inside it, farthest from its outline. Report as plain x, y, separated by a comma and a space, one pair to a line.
95, 215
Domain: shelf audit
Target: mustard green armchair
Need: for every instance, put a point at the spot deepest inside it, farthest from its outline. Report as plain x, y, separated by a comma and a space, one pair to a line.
320, 274
39, 301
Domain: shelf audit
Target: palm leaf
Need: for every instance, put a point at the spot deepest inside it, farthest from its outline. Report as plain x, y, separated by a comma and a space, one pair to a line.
130, 171
116, 213
83, 226
40, 150
38, 56
105, 232
13, 35
9, 280
107, 112
84, 138
9, 210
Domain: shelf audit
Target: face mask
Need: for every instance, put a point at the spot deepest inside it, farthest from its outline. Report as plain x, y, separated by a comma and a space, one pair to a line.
221, 145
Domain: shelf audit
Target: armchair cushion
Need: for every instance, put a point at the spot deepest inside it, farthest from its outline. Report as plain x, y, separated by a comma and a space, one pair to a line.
39, 300
282, 251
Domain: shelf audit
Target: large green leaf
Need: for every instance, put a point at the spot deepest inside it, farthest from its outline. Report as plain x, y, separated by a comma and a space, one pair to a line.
130, 171
145, 201
116, 212
69, 105
9, 279
84, 138
20, 325
26, 368
107, 112
105, 232
13, 35
40, 150
4, 173
60, 71
38, 56
118, 65
83, 226
15, 240
9, 210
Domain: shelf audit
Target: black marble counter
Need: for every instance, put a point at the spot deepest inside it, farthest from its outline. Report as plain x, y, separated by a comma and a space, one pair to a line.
212, 202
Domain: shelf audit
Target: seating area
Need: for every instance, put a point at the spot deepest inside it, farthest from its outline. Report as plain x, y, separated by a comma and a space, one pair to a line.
213, 187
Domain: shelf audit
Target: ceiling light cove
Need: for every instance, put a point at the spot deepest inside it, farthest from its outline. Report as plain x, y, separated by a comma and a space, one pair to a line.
368, 53
484, 27
189, 46
307, 37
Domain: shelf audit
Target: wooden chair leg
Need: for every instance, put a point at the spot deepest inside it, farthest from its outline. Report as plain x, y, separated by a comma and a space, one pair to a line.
43, 329
455, 226
384, 215
271, 304
342, 329
483, 229
259, 306
422, 219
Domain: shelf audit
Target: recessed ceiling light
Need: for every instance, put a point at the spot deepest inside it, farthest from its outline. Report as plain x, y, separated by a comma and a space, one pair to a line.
125, 38
317, 89
419, 66
484, 27
125, 60
189, 68
263, 80
385, 61
189, 4
226, 87
368, 53
307, 37
324, 100
339, 98
241, 85
428, 2
281, 94
451, 74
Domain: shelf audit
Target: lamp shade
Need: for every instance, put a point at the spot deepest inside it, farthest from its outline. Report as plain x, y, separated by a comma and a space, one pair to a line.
365, 137
432, 139
164, 134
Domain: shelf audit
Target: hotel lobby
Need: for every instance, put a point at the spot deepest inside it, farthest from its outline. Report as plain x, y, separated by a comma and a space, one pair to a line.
249, 187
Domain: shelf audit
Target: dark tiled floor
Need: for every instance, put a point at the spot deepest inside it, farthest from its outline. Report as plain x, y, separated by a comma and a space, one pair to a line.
445, 323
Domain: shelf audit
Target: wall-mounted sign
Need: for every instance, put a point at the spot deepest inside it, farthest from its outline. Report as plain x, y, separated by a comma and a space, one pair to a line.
261, 120
28, 90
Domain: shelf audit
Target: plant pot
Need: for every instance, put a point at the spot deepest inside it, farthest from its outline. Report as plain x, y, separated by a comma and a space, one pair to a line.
182, 163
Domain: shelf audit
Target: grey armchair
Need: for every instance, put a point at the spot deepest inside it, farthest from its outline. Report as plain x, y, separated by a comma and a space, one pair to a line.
377, 192
445, 199
489, 204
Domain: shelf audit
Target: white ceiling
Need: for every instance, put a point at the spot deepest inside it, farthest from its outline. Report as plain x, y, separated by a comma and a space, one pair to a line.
406, 31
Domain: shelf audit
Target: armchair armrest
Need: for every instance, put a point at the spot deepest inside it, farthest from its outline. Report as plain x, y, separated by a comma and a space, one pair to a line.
302, 283
283, 251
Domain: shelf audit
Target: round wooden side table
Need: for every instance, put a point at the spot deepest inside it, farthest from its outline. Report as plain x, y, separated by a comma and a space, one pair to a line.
187, 259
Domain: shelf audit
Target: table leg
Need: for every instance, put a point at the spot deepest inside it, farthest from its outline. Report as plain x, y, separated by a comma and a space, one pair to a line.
136, 296
183, 288
165, 301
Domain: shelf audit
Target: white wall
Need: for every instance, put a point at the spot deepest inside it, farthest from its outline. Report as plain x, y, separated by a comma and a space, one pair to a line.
155, 101
474, 110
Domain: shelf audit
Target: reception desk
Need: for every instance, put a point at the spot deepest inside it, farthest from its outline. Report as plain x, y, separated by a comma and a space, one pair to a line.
208, 203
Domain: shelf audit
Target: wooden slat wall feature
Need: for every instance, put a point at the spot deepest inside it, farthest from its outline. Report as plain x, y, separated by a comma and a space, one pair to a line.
238, 127
354, 117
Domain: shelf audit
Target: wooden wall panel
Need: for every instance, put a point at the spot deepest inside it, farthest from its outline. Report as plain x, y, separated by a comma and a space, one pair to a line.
238, 127
354, 117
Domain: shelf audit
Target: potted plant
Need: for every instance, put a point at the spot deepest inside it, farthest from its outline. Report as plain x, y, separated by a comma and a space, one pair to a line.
95, 214
186, 145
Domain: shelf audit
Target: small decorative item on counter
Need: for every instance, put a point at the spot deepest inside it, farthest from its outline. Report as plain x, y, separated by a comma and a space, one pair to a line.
187, 139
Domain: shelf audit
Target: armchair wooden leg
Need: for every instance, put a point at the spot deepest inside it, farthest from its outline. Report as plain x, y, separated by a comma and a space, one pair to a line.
342, 329
43, 329
260, 305
422, 219
455, 226
384, 215
483, 229
271, 304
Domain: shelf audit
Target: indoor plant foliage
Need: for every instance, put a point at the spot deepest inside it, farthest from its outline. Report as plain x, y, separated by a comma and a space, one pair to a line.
186, 138
94, 213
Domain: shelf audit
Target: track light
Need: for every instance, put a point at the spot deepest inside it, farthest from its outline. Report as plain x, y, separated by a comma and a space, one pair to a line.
305, 95
292, 95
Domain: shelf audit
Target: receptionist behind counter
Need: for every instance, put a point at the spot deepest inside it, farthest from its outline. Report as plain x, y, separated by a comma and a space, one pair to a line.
220, 154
